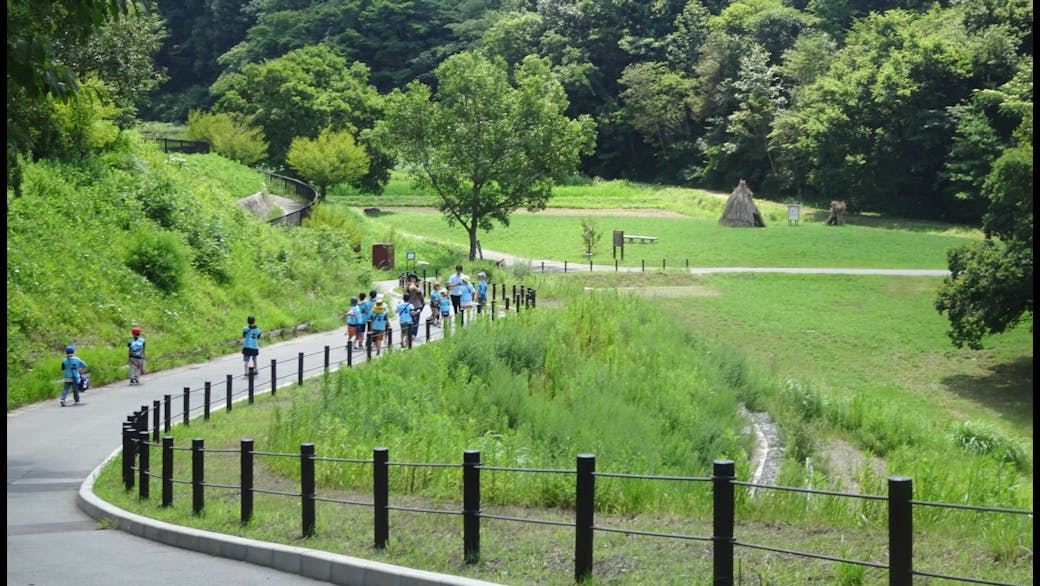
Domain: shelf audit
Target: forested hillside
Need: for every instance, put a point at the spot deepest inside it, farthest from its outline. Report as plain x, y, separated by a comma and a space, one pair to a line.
897, 107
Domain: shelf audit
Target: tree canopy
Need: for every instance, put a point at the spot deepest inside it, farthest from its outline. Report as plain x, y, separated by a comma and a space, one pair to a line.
484, 145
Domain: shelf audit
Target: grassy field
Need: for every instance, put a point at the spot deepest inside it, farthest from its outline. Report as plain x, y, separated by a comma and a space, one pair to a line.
697, 241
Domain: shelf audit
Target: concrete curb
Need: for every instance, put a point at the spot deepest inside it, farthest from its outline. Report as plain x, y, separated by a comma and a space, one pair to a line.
309, 563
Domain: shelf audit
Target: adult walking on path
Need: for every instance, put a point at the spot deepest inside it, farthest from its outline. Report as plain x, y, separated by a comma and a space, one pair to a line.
52, 454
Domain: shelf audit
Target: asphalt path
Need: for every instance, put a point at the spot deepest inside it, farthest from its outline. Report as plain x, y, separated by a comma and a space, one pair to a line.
53, 453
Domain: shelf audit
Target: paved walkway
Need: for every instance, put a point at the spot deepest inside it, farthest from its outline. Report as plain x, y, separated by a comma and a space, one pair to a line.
53, 454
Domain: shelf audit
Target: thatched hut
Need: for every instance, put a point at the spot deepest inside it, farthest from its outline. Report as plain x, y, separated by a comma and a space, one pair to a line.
741, 209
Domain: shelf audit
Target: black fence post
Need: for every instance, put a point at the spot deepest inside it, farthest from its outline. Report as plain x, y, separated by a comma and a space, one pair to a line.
543, 269
167, 406
722, 537
663, 264
584, 516
246, 478
198, 475
128, 457
326, 358
155, 420
299, 369
274, 376
615, 265
564, 266
471, 505
381, 496
429, 324
167, 470
187, 404
206, 397
307, 488
642, 264
900, 531
142, 421
144, 465
250, 386
590, 265
687, 264
229, 383
493, 310
350, 354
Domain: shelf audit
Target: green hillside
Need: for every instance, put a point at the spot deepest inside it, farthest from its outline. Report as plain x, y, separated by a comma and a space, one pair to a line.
201, 265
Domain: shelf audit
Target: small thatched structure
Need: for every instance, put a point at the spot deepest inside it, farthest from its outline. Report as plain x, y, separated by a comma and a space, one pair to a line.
837, 216
741, 209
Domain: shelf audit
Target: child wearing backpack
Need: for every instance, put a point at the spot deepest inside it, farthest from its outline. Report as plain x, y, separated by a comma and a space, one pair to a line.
71, 368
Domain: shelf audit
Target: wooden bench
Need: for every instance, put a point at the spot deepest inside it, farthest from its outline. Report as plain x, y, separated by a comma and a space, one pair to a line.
641, 239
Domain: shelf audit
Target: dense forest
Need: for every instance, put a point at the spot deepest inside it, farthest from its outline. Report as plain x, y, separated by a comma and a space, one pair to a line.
908, 108
895, 107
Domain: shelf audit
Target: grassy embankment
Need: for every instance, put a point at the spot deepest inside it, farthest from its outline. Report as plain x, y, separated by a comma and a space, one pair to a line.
77, 229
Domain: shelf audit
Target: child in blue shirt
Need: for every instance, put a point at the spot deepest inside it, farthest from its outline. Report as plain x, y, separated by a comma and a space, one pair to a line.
379, 319
71, 368
482, 288
136, 358
354, 315
445, 305
406, 316
364, 309
250, 346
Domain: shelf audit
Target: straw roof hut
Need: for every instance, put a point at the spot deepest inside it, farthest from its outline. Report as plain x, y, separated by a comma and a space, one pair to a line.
741, 209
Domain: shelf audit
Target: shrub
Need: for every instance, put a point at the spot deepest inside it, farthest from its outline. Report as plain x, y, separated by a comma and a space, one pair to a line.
976, 437
160, 257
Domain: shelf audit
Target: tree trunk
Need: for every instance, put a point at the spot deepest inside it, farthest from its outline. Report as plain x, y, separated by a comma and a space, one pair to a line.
473, 242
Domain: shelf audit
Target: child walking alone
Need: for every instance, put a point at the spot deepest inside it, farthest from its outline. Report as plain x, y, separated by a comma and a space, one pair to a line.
250, 346
136, 358
71, 368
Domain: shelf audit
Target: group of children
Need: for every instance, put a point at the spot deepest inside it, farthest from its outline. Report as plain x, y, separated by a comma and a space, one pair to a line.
370, 316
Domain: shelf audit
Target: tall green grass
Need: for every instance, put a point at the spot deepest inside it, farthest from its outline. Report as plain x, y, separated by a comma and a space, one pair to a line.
529, 391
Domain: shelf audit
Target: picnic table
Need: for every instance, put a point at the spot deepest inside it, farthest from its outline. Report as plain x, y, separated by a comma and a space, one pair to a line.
641, 239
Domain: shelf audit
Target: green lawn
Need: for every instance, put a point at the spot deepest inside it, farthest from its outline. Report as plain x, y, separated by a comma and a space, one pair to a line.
700, 242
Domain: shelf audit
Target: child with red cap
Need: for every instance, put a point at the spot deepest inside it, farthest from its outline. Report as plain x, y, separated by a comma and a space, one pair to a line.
136, 346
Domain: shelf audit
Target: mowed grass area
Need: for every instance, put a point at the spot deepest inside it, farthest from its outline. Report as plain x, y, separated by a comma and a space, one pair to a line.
700, 242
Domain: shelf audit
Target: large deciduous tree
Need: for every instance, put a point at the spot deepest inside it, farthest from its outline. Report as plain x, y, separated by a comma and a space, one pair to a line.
485, 146
37, 75
990, 287
301, 93
330, 159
